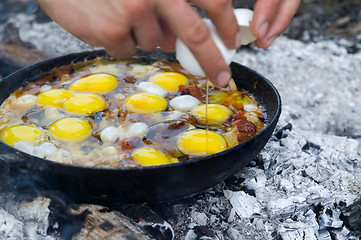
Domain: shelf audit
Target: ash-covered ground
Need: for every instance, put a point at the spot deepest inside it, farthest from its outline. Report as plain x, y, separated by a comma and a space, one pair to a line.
305, 184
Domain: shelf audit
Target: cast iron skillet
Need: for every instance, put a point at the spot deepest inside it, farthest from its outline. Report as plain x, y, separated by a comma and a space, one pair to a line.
144, 184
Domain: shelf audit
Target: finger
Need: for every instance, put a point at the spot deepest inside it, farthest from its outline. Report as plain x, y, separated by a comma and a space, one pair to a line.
195, 34
146, 28
123, 52
283, 17
264, 12
222, 16
168, 43
257, 44
55, 9
99, 23
121, 46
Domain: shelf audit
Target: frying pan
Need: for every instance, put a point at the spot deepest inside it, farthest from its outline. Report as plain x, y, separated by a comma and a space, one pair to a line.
142, 184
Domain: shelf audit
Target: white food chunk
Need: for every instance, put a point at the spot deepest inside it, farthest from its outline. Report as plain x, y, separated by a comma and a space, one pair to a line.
120, 97
45, 88
45, 149
122, 132
139, 70
250, 107
62, 156
109, 134
184, 103
139, 129
24, 102
52, 114
174, 115
150, 87
25, 147
109, 151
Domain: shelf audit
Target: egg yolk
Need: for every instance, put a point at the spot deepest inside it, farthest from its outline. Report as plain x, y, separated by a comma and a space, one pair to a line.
170, 81
145, 103
147, 156
217, 114
25, 133
97, 83
54, 97
235, 100
85, 103
70, 129
200, 143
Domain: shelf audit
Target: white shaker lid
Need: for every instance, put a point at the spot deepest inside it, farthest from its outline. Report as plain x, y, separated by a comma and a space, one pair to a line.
244, 19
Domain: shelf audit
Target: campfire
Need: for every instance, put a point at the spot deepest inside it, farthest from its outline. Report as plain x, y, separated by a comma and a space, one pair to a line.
305, 183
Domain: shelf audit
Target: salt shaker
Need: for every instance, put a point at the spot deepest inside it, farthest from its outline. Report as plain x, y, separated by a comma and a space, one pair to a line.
188, 61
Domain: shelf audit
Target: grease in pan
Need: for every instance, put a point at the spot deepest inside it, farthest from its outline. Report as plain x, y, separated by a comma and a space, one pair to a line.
112, 113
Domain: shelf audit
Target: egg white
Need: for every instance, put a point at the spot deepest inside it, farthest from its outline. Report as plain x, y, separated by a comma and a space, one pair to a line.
150, 87
184, 103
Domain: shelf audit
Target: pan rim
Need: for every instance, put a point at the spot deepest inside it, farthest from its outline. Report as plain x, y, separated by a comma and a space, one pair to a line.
101, 54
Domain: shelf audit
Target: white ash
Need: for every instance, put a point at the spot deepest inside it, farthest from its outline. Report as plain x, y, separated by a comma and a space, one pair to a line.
10, 227
286, 203
320, 83
243, 204
24, 220
48, 37
200, 218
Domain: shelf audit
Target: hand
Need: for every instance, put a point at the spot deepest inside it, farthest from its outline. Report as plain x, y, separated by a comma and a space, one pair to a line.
271, 18
121, 25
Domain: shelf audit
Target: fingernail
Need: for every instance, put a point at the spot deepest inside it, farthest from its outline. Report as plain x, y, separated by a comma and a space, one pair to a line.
263, 30
270, 41
238, 40
223, 78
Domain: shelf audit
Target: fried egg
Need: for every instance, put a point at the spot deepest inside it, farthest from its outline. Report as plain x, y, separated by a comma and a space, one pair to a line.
147, 156
70, 129
24, 133
85, 103
200, 142
217, 113
170, 81
184, 103
54, 97
96, 83
145, 103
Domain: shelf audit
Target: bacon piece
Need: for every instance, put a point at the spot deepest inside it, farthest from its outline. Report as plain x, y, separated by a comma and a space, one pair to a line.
122, 114
125, 145
129, 78
239, 115
245, 126
176, 125
192, 90
190, 119
130, 143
